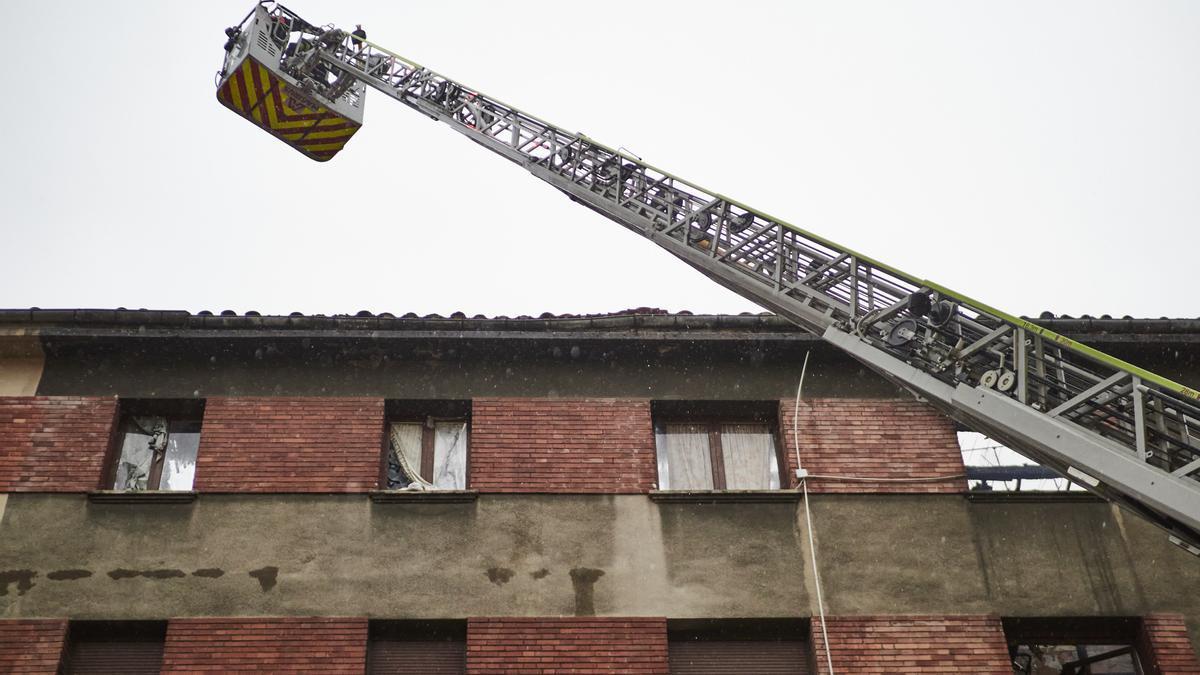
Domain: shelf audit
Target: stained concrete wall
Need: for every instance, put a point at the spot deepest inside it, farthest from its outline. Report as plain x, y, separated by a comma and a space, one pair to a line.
21, 365
1059, 557
539, 555
535, 555
730, 369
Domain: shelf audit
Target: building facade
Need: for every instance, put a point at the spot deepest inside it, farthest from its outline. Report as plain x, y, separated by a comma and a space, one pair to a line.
618, 493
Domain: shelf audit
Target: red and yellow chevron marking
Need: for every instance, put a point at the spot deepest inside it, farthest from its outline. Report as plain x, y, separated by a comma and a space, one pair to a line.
255, 93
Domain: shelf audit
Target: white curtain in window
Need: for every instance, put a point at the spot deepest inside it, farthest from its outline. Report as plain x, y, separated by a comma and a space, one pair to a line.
406, 443
450, 455
748, 451
684, 462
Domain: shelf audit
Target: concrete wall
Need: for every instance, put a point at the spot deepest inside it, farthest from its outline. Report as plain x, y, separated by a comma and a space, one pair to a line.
607, 555
456, 369
21, 364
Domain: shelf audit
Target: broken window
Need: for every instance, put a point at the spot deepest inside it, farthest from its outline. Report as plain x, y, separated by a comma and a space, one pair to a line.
707, 446
993, 467
1035, 659
157, 445
1073, 646
427, 446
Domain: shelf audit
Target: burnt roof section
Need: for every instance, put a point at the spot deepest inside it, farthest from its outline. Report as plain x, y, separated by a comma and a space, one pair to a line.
632, 322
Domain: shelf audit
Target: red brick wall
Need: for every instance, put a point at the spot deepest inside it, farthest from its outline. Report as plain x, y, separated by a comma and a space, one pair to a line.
567, 645
266, 645
878, 645
874, 438
31, 645
54, 443
290, 445
1164, 641
543, 445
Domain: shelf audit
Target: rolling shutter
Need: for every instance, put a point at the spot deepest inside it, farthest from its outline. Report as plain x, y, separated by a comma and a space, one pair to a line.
119, 648
417, 656
745, 657
427, 647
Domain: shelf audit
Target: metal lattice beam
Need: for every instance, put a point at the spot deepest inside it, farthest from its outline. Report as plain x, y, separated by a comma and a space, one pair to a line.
1057, 401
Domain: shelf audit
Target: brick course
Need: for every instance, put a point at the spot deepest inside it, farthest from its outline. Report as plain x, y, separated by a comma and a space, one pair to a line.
1165, 643
266, 645
874, 438
879, 645
54, 443
567, 645
564, 446
290, 445
30, 646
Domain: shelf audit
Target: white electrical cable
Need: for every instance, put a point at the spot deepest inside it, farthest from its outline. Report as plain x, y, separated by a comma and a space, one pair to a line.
796, 414
923, 479
812, 545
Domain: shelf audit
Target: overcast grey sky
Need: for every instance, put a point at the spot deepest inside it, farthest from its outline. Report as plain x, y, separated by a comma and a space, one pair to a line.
1035, 155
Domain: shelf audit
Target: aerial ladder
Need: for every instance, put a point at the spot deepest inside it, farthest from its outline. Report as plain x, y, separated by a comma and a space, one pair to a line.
1124, 433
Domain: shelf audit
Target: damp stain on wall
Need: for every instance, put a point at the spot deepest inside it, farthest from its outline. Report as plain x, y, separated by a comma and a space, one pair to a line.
68, 575
584, 580
266, 576
23, 579
499, 575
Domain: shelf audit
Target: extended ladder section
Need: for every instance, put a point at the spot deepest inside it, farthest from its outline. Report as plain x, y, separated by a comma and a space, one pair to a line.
1120, 431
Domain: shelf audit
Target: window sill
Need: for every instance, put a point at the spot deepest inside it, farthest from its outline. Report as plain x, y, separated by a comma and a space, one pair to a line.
1032, 496
725, 496
424, 496
142, 497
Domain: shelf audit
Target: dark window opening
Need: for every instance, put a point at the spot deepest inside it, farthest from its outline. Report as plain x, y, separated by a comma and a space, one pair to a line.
1074, 646
718, 445
114, 648
157, 444
426, 445
744, 646
428, 647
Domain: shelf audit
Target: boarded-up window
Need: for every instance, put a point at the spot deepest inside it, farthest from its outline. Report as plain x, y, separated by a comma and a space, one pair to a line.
747, 647
428, 647
114, 648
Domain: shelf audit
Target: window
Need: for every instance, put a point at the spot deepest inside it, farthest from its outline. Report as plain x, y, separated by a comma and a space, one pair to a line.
427, 445
1073, 646
745, 646
157, 445
716, 446
116, 647
427, 647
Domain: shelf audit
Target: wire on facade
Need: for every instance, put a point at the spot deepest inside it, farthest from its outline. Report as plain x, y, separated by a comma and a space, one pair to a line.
812, 545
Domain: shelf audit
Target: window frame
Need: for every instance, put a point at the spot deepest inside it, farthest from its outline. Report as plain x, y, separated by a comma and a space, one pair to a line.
174, 411
425, 413
447, 631
1125, 632
710, 416
777, 632
104, 631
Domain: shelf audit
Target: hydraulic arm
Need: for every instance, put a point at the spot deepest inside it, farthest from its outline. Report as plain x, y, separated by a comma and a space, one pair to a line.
1122, 432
